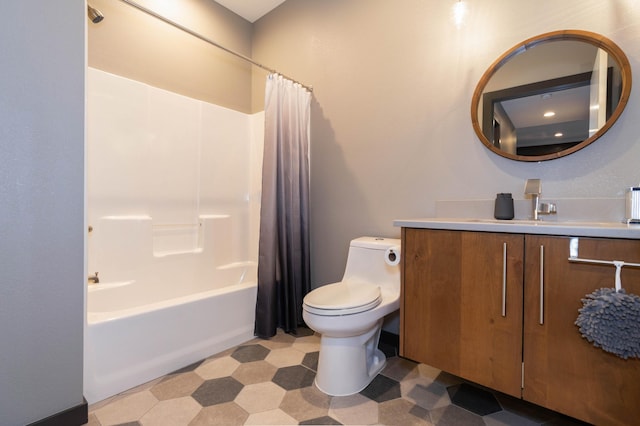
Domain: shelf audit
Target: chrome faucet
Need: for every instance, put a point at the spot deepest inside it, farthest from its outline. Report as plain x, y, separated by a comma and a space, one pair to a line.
533, 187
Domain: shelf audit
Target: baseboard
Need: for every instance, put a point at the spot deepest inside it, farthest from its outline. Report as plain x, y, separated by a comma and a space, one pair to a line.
74, 416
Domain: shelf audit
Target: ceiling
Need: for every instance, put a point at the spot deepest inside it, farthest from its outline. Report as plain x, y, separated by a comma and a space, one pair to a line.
251, 10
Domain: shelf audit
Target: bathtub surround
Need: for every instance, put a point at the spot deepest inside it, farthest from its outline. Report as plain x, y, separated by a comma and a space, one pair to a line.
156, 153
283, 265
173, 206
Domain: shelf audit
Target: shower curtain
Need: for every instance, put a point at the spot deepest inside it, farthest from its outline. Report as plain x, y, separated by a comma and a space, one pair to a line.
283, 253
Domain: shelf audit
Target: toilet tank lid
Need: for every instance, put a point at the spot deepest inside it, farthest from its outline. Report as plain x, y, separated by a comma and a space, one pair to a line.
376, 243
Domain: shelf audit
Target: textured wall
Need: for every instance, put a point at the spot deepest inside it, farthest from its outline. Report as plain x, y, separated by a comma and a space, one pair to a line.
41, 208
391, 129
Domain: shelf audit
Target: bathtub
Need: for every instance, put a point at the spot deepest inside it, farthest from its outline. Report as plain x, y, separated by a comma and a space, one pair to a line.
179, 308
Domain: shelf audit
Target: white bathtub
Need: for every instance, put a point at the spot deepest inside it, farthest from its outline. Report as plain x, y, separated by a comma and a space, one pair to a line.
167, 317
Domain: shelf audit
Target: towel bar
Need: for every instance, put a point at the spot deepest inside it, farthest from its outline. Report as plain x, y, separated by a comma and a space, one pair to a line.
605, 262
617, 263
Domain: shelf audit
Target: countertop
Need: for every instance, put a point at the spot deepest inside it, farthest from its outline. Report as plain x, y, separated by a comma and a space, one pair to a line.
568, 228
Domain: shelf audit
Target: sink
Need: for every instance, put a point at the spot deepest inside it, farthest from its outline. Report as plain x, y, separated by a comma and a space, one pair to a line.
511, 221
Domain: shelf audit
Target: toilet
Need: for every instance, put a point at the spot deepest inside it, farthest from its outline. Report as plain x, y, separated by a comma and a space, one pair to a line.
349, 315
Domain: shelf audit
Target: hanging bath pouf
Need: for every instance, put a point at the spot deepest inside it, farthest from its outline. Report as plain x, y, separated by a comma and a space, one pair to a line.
610, 319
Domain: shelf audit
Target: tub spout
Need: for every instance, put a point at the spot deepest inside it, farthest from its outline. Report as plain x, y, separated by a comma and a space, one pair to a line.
93, 279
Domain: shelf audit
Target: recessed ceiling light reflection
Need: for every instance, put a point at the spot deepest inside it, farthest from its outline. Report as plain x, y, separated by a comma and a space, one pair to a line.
549, 114
558, 135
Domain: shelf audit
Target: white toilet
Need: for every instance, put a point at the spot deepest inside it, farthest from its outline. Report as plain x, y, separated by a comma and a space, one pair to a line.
349, 315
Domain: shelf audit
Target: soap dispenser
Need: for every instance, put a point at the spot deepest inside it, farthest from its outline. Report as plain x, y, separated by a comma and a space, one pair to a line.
504, 207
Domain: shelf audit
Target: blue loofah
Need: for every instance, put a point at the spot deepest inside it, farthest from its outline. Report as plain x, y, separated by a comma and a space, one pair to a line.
610, 320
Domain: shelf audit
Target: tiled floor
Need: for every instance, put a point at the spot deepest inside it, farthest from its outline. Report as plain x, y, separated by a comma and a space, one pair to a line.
270, 382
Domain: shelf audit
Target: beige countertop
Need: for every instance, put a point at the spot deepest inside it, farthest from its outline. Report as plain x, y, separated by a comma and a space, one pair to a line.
568, 228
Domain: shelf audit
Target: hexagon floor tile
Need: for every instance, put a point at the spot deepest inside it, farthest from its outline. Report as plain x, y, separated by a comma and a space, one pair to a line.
272, 382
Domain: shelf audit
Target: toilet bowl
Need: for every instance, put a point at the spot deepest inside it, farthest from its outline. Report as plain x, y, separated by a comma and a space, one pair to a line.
349, 315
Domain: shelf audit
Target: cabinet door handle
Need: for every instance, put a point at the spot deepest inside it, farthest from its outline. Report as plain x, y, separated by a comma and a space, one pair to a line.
504, 279
541, 285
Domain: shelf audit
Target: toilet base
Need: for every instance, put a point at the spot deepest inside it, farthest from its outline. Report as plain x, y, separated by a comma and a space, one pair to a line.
346, 365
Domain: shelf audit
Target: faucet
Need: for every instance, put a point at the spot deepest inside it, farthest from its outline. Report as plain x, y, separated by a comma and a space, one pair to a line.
533, 187
93, 279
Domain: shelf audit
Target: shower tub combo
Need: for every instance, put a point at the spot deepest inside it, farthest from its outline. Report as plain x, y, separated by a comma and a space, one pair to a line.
156, 311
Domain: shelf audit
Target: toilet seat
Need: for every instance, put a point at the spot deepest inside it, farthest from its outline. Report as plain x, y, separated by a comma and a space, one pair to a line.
343, 298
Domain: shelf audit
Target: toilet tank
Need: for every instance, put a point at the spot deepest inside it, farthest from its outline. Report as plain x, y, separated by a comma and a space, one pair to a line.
366, 262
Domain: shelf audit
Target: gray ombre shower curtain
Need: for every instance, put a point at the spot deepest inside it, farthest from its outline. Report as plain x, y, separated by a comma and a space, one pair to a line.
283, 253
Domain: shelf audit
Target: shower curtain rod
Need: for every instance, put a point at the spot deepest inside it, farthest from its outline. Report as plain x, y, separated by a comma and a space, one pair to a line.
206, 40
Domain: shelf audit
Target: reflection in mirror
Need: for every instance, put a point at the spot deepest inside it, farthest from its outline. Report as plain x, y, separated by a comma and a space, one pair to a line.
551, 95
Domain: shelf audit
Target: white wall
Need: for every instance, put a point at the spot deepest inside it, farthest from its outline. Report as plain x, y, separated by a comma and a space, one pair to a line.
154, 153
391, 126
41, 208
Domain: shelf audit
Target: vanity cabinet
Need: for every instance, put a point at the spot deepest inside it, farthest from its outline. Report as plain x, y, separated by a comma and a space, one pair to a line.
499, 309
455, 285
562, 370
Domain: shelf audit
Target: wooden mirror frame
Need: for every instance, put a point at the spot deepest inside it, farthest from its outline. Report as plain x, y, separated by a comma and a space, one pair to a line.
596, 40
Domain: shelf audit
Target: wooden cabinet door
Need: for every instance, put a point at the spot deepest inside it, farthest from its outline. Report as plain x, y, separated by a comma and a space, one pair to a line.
562, 370
452, 303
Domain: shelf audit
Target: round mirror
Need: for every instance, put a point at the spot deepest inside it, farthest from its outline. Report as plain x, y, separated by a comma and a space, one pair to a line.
551, 95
